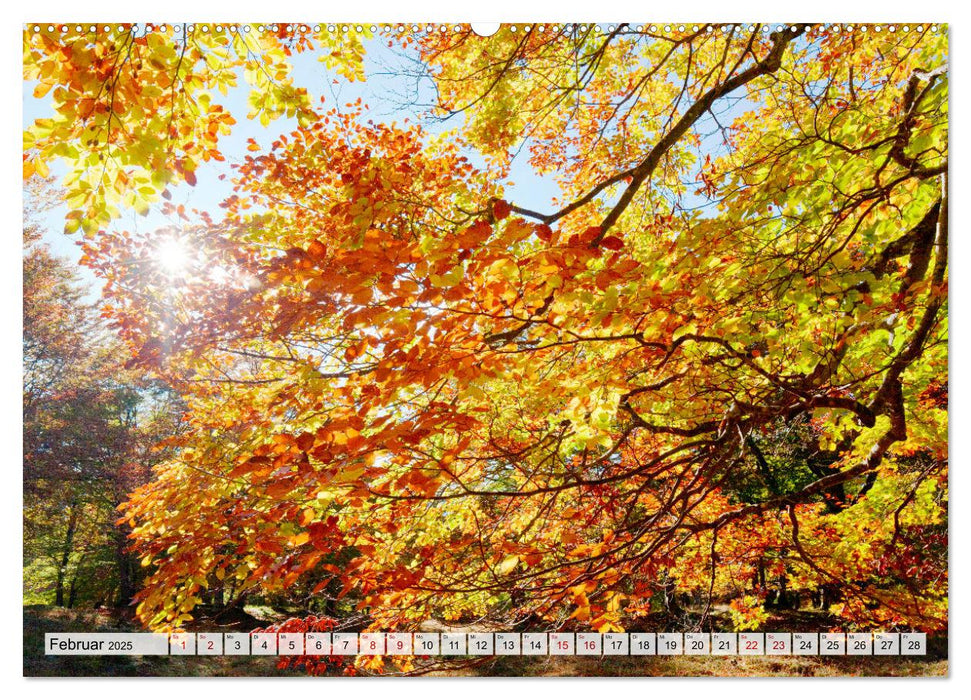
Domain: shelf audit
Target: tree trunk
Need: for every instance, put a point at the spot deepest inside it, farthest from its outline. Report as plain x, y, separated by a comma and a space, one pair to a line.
828, 595
671, 604
126, 568
72, 523
73, 590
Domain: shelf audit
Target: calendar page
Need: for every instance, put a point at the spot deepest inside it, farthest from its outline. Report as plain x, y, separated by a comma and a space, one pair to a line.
519, 349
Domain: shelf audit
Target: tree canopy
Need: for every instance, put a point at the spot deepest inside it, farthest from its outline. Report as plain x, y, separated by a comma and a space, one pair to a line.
718, 361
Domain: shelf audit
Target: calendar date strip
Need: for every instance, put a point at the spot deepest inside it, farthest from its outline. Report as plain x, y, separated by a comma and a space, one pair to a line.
471, 644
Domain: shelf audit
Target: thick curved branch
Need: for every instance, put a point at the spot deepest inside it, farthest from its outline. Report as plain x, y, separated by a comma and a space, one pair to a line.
770, 64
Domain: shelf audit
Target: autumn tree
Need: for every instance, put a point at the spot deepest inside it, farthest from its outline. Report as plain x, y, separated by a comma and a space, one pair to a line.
717, 365
90, 428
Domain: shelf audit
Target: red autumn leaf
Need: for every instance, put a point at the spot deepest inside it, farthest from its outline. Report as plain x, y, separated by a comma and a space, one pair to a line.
501, 209
316, 249
590, 234
612, 243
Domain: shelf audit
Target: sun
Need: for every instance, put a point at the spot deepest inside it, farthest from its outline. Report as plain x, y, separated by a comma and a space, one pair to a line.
172, 255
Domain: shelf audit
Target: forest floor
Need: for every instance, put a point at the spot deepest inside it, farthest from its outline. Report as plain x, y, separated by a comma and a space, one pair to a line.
39, 620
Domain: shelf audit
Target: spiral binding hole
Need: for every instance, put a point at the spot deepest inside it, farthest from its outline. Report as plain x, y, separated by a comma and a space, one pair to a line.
431, 29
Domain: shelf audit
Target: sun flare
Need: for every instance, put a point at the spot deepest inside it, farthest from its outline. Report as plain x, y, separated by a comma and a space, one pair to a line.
173, 256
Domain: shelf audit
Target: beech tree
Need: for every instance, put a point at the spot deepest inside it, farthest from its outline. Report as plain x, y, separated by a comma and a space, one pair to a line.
716, 366
90, 430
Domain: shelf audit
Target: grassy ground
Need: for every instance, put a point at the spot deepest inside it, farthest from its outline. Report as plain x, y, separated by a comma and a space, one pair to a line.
39, 620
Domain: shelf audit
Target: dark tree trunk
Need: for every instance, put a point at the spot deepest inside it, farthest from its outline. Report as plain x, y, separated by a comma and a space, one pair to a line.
73, 590
828, 594
126, 570
72, 523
